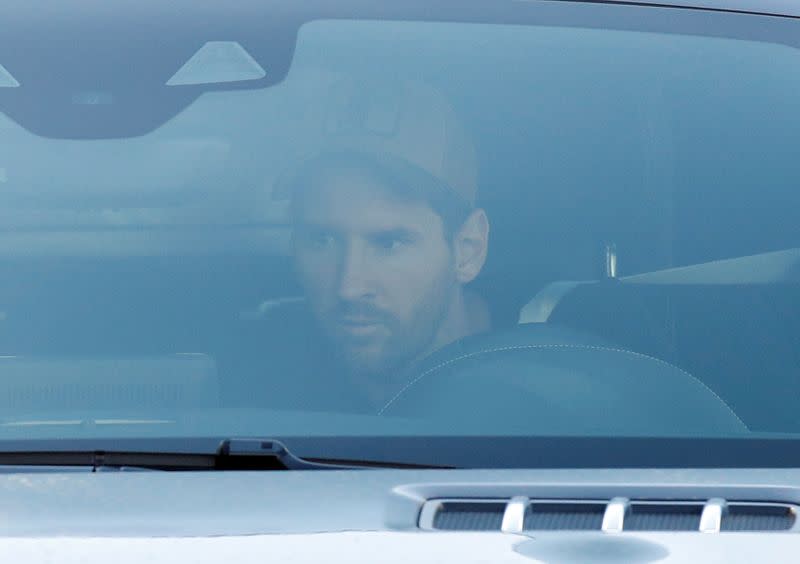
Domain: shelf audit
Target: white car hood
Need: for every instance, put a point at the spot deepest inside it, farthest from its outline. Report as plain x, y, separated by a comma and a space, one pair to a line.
357, 516
404, 547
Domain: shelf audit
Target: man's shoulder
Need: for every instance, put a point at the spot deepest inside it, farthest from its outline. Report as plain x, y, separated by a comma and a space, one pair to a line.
288, 328
297, 366
293, 311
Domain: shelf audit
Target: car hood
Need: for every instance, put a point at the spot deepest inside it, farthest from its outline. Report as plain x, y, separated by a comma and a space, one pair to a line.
356, 516
370, 547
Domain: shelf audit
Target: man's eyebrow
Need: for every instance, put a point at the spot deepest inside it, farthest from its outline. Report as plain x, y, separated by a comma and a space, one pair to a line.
396, 233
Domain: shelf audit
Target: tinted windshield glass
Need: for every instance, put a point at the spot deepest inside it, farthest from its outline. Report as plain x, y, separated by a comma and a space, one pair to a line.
394, 226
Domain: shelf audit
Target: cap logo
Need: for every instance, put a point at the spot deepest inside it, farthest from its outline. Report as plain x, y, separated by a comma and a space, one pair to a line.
367, 113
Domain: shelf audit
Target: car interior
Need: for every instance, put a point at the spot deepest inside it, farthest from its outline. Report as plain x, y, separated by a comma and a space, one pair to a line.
162, 282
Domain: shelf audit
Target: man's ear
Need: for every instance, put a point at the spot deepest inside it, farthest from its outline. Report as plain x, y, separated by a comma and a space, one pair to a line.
471, 244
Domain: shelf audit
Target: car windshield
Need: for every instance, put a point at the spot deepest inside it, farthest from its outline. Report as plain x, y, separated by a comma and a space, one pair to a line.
499, 219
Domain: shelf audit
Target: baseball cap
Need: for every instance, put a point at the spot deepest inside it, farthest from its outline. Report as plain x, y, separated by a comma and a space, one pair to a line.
404, 121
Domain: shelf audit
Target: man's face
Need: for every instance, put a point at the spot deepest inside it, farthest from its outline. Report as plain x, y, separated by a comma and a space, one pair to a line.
377, 270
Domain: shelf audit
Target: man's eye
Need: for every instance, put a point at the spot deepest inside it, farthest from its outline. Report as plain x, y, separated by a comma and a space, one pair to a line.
389, 242
318, 240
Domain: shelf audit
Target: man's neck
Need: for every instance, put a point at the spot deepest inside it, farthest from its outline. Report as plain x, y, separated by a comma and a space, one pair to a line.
468, 315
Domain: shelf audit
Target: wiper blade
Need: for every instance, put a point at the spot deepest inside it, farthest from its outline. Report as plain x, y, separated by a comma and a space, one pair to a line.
253, 454
232, 454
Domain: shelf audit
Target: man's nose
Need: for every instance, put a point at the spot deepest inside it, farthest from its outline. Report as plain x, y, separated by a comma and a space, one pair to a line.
355, 278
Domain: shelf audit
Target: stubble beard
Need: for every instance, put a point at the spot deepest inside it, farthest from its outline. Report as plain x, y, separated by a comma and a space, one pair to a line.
406, 343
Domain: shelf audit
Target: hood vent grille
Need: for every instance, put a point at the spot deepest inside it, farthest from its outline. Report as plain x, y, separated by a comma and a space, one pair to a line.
755, 517
469, 516
663, 517
564, 516
521, 514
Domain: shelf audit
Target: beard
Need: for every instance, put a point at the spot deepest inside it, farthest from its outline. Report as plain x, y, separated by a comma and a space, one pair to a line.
397, 341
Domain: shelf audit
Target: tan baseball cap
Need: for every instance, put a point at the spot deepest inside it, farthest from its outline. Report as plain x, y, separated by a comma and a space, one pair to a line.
407, 121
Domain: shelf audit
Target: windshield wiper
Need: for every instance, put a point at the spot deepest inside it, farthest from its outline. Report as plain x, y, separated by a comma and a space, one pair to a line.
232, 454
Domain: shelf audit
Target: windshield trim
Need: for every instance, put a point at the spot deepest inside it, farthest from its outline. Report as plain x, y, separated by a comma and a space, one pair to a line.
472, 452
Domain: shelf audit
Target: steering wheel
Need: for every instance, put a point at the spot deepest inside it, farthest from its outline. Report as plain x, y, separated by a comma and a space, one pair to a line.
542, 379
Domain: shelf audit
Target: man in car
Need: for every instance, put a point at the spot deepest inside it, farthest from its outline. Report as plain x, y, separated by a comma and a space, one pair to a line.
386, 237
